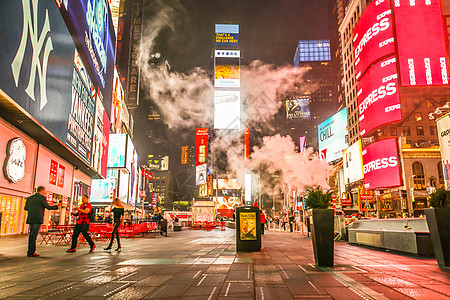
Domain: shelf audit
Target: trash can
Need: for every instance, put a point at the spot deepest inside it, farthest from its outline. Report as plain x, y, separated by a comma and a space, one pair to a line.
248, 229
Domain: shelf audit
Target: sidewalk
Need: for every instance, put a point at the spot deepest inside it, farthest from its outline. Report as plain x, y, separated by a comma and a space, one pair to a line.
204, 265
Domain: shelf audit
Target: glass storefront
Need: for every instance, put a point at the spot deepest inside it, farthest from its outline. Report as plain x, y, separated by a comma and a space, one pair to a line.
12, 221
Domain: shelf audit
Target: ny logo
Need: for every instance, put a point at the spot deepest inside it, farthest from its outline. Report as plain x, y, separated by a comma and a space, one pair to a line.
30, 27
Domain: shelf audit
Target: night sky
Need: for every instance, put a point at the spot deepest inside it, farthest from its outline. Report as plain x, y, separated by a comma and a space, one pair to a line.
269, 29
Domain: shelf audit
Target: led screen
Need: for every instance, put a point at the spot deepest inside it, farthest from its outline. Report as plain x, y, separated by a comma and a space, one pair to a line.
227, 34
378, 96
227, 68
421, 45
201, 145
381, 166
116, 151
373, 37
227, 110
443, 125
332, 136
353, 164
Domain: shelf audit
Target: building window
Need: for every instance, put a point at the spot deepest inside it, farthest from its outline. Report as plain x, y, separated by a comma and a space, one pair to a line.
418, 116
433, 130
393, 131
441, 175
419, 130
406, 131
419, 176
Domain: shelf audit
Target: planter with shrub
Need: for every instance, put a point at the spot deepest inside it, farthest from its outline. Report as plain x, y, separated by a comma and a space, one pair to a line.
438, 220
322, 225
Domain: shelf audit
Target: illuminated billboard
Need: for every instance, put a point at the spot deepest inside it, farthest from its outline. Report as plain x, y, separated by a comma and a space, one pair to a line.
95, 36
421, 43
378, 96
443, 125
373, 37
227, 68
353, 164
312, 50
100, 140
200, 174
132, 165
227, 34
380, 164
117, 150
298, 108
226, 184
201, 145
227, 110
332, 136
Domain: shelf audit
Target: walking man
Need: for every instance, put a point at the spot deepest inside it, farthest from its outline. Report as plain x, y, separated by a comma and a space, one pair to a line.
35, 206
82, 225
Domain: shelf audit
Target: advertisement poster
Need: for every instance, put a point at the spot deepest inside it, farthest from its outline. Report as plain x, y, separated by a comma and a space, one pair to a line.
96, 38
227, 109
101, 190
80, 127
101, 140
227, 34
373, 36
332, 136
116, 151
117, 110
298, 108
421, 42
247, 226
227, 68
132, 163
378, 96
380, 164
38, 76
443, 125
353, 163
201, 145
200, 174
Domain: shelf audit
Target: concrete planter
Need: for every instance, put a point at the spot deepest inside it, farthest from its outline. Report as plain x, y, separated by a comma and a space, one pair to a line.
438, 220
322, 229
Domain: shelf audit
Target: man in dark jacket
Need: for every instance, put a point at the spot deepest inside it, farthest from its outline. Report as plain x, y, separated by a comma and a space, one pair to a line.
36, 206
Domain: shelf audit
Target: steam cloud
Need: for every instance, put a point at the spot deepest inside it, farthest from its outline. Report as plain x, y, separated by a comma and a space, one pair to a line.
186, 100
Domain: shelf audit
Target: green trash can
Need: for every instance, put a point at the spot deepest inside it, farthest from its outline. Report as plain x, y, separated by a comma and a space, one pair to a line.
248, 229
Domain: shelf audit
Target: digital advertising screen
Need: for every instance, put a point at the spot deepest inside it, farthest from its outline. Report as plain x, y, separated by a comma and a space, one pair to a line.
95, 36
227, 68
380, 164
353, 163
298, 108
378, 96
101, 190
132, 164
227, 109
421, 43
227, 184
117, 150
332, 136
373, 36
200, 174
201, 145
101, 140
227, 34
443, 125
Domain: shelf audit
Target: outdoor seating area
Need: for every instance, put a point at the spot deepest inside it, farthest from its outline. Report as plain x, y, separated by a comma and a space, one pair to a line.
99, 232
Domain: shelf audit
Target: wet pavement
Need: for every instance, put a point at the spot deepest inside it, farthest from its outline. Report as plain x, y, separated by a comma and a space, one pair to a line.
204, 265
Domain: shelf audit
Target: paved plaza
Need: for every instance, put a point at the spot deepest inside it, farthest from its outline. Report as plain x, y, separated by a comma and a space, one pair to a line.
204, 265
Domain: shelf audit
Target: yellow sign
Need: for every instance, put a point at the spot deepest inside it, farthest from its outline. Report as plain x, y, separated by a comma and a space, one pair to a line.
247, 226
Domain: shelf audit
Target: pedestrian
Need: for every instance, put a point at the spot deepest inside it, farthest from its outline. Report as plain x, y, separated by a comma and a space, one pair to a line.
84, 212
35, 206
291, 222
163, 226
263, 220
118, 211
285, 221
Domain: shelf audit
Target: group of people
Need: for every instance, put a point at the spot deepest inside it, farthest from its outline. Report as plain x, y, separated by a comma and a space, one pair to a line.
36, 205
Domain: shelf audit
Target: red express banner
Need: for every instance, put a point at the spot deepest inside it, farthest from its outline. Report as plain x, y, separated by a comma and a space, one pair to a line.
380, 164
201, 145
378, 96
373, 37
421, 43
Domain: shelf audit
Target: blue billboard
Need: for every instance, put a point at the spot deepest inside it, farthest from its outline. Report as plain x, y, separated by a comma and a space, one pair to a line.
227, 34
333, 136
312, 50
95, 38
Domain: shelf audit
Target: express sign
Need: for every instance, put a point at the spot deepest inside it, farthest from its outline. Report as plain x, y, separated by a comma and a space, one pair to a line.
378, 97
373, 36
421, 42
380, 164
